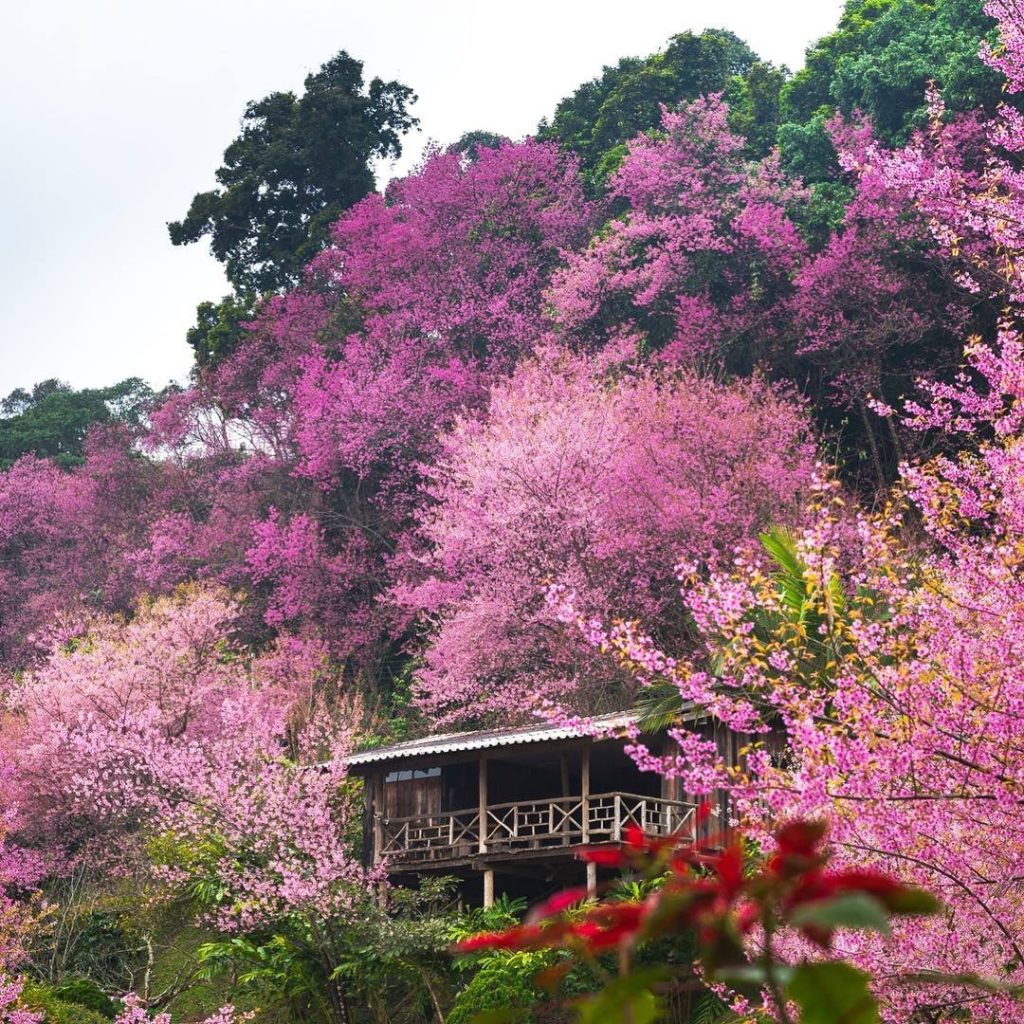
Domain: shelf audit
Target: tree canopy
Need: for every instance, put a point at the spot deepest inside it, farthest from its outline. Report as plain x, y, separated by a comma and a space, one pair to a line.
296, 164
604, 113
53, 420
881, 58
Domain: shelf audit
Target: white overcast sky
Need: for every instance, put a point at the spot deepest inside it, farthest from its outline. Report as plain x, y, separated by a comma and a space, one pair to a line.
115, 112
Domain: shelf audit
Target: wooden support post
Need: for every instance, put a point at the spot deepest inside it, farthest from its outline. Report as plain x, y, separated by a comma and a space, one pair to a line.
585, 789
488, 888
482, 844
377, 804
563, 764
591, 878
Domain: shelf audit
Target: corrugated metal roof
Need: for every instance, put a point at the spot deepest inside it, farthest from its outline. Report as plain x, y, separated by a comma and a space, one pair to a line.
452, 742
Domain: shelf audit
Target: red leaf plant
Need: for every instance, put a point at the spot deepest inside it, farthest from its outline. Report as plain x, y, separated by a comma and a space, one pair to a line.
732, 898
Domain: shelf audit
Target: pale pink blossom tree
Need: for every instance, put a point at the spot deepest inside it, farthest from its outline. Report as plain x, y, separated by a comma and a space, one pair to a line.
585, 472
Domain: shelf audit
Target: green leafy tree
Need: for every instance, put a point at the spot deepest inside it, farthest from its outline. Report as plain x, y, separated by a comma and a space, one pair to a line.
469, 144
53, 419
298, 162
755, 103
393, 962
605, 113
220, 326
498, 984
62, 1008
881, 58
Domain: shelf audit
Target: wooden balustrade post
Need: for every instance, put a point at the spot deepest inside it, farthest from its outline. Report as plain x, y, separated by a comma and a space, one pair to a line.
585, 803
617, 819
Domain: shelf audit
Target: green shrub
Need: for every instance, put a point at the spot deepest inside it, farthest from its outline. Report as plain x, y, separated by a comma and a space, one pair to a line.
503, 981
88, 994
57, 1010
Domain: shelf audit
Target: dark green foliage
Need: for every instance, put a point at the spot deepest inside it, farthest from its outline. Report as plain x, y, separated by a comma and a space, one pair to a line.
502, 981
57, 1010
608, 111
469, 144
497, 980
297, 163
218, 327
832, 991
175, 957
53, 420
626, 998
88, 994
881, 58
807, 150
754, 102
394, 963
807, 153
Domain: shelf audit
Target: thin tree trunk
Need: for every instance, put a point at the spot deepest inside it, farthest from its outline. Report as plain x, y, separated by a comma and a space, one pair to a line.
876, 457
147, 977
433, 997
339, 1007
894, 433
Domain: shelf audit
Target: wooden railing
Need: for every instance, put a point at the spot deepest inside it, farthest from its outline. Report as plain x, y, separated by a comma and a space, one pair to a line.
528, 825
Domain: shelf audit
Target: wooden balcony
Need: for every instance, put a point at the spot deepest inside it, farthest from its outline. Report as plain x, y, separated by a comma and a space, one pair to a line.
555, 825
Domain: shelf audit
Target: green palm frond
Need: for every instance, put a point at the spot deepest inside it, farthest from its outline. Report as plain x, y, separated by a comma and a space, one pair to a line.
790, 575
659, 706
710, 1009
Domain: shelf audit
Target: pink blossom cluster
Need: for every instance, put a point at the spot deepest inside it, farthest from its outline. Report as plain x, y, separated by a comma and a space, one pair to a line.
12, 1011
158, 746
134, 1012
20, 872
701, 226
118, 703
584, 478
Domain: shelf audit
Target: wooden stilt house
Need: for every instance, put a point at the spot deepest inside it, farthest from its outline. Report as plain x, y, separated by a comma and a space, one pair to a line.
506, 810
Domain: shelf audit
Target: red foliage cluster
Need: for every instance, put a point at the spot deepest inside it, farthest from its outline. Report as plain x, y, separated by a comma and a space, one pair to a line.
720, 894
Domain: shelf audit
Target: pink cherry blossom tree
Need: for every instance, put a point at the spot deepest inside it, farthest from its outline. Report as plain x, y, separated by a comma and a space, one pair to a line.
585, 472
65, 537
890, 659
460, 252
701, 256
158, 746
20, 873
170, 677
300, 452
